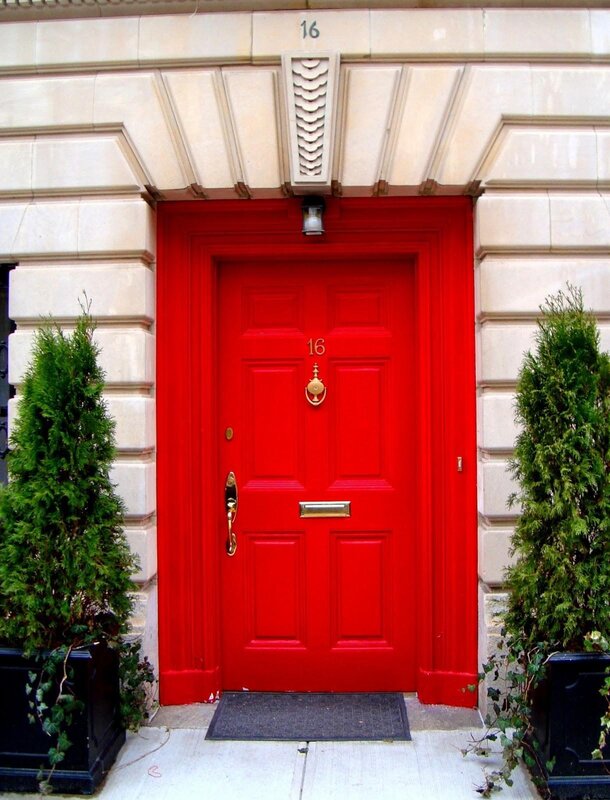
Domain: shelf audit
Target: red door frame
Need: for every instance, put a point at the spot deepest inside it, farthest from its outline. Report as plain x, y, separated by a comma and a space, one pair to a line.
193, 238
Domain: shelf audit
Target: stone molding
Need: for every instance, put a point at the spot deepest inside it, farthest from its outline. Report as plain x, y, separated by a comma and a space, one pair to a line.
125, 33
310, 89
401, 129
37, 9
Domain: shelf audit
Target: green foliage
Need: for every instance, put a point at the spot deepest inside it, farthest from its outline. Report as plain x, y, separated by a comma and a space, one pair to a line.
137, 685
65, 566
560, 581
507, 722
53, 704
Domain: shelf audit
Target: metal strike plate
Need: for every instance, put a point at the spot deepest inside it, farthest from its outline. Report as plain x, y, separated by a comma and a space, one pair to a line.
335, 508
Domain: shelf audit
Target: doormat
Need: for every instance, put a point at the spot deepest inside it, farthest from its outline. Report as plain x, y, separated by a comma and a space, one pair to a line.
310, 717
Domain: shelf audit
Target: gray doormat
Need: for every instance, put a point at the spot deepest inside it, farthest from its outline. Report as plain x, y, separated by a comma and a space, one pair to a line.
310, 717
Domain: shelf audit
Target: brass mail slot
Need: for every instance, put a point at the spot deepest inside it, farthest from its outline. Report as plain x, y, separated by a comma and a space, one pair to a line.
334, 508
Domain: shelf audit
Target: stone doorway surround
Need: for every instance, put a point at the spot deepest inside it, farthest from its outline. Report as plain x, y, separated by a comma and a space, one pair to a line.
102, 115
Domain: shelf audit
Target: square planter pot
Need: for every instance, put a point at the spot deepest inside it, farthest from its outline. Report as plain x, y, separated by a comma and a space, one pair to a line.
96, 732
566, 711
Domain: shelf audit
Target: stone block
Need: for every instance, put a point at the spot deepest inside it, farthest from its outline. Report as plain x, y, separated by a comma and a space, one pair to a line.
600, 31
190, 92
47, 228
143, 543
370, 93
494, 556
121, 227
134, 416
92, 163
502, 347
16, 165
516, 286
144, 621
496, 484
345, 31
494, 606
513, 222
567, 91
17, 45
426, 33
537, 33
429, 90
537, 155
195, 38
487, 94
116, 291
603, 155
491, 607
84, 42
135, 483
252, 97
580, 220
497, 427
46, 102
136, 100
126, 355
85, 227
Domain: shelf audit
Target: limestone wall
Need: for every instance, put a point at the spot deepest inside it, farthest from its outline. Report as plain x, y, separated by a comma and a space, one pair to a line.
100, 118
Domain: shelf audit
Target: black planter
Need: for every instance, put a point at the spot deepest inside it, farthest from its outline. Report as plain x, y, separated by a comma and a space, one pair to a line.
566, 713
96, 732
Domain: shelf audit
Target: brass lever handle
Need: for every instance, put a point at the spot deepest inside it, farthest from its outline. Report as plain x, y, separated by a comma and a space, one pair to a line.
231, 503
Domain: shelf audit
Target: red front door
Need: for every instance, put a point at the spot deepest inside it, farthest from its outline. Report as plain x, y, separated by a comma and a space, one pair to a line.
383, 303
319, 603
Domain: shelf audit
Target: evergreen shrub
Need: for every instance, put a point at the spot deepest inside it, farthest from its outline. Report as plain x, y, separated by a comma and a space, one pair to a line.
559, 584
65, 565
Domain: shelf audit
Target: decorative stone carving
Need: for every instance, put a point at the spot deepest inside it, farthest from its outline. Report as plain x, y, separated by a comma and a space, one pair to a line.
310, 90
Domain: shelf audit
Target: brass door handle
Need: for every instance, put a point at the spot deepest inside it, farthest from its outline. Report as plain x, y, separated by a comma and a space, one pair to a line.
231, 503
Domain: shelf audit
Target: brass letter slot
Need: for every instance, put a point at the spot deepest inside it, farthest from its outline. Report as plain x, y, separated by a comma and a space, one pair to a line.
335, 508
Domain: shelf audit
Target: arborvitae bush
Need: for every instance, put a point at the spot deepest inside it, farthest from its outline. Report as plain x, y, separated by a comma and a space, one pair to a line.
65, 567
560, 583
559, 586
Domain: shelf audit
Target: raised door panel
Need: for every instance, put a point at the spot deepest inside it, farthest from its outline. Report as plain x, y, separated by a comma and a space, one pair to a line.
274, 446
361, 573
275, 589
357, 449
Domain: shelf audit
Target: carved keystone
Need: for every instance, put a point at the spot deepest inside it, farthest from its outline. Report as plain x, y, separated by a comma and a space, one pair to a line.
310, 90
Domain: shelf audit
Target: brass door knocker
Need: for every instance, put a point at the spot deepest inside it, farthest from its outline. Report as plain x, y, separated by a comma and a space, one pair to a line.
315, 391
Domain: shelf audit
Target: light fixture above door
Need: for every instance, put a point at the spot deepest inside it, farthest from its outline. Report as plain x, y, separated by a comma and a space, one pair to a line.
313, 211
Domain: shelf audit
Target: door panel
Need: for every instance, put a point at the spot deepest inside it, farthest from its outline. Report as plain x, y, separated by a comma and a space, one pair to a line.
319, 603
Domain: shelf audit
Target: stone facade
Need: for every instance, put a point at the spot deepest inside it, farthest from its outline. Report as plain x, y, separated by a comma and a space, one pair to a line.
102, 117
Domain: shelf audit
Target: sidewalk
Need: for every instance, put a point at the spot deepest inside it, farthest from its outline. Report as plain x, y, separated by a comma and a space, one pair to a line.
171, 760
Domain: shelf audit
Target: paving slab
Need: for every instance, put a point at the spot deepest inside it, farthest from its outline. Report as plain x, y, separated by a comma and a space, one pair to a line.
172, 760
431, 767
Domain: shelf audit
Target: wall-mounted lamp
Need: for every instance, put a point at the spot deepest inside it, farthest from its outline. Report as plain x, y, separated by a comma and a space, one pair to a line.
313, 209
